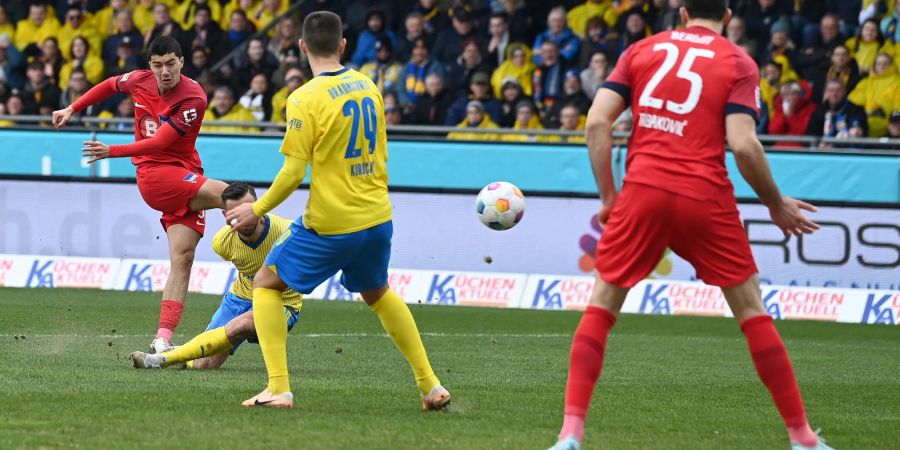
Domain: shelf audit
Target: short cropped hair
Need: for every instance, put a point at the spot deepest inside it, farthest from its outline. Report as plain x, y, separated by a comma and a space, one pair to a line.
237, 191
706, 9
164, 45
322, 33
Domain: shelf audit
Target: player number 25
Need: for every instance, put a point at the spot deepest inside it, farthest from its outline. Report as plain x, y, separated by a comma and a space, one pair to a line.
353, 109
684, 72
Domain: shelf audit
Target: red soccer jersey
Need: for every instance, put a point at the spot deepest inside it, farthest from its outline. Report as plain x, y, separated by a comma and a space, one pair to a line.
182, 108
680, 85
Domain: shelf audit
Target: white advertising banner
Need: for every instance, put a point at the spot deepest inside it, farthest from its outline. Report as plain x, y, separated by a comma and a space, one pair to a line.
58, 271
856, 247
150, 275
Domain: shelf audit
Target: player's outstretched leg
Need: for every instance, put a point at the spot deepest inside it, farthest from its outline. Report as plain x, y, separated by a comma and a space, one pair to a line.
586, 360
271, 330
182, 245
772, 362
399, 324
205, 344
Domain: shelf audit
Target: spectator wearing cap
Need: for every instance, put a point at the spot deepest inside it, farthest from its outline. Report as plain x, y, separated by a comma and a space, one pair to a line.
293, 79
80, 58
384, 70
186, 13
812, 61
527, 120
511, 94
557, 32
205, 33
415, 32
479, 89
258, 99
842, 67
124, 29
547, 81
475, 118
431, 108
596, 40
460, 72
412, 77
449, 43
40, 95
434, 19
793, 107
594, 75
38, 26
12, 63
780, 43
498, 39
76, 25
875, 94
365, 44
518, 66
125, 59
164, 25
836, 117
572, 95
580, 15
224, 109
894, 125
865, 45
103, 19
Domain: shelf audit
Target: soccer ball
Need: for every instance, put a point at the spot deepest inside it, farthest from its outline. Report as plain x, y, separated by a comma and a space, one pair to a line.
500, 205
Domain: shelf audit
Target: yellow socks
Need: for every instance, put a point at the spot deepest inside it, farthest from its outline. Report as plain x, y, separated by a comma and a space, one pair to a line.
401, 327
204, 344
271, 330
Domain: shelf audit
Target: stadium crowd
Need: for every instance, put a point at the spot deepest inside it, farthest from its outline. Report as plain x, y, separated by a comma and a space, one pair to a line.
827, 66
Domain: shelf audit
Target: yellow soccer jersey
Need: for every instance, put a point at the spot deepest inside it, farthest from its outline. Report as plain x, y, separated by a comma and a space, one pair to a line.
336, 123
248, 257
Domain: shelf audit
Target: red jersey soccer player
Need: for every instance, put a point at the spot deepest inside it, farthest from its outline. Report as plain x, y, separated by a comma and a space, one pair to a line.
168, 110
689, 90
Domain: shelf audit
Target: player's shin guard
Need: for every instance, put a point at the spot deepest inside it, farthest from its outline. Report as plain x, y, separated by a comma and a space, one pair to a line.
776, 372
585, 364
205, 344
271, 330
169, 318
399, 324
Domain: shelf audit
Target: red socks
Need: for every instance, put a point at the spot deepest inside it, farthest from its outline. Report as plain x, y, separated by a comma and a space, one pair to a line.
585, 363
776, 372
169, 317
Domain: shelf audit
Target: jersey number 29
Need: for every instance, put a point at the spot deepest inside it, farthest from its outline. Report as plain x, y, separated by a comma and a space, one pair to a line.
366, 109
684, 72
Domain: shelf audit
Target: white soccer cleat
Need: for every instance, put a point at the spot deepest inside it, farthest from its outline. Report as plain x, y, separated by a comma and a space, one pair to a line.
141, 360
436, 400
162, 345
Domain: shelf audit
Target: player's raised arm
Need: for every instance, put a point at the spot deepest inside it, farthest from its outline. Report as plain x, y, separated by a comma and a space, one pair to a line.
751, 160
607, 106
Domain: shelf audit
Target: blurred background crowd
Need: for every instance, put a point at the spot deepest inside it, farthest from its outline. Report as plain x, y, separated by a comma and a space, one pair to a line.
827, 66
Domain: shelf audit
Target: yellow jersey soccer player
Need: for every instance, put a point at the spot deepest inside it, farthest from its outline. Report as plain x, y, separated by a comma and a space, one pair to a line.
232, 323
335, 124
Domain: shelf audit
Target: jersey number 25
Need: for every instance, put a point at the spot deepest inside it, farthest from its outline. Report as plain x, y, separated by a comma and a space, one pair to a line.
684, 72
366, 109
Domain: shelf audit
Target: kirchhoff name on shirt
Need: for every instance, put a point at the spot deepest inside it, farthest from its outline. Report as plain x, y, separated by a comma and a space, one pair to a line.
662, 123
348, 87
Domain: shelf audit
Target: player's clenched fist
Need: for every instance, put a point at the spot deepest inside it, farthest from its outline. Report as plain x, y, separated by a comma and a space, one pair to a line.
62, 116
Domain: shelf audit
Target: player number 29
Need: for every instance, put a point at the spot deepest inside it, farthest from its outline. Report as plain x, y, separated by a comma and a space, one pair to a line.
684, 72
366, 109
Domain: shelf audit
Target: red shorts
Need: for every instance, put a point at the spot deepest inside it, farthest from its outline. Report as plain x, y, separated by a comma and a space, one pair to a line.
646, 220
169, 190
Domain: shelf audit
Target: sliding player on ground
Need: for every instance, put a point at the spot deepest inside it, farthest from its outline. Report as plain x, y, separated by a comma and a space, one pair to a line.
232, 323
168, 110
336, 124
689, 90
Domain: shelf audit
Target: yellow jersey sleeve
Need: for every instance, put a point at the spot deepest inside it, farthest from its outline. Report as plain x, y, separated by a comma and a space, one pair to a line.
218, 243
300, 137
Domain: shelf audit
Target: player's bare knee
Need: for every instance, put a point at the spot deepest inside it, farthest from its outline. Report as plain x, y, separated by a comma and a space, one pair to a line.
373, 295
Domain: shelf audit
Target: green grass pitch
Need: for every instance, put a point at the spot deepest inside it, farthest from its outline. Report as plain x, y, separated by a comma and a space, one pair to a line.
668, 382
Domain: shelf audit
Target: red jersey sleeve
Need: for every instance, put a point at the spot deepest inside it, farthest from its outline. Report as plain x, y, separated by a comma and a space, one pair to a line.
187, 116
619, 80
743, 98
125, 83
